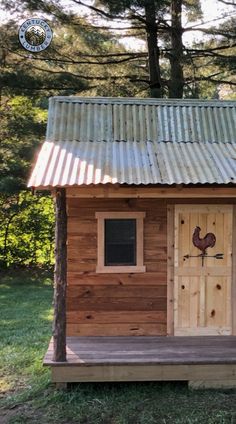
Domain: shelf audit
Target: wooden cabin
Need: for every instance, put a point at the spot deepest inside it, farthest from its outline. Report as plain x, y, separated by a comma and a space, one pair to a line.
145, 277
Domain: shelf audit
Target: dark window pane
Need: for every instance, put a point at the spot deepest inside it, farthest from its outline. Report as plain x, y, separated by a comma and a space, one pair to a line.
120, 242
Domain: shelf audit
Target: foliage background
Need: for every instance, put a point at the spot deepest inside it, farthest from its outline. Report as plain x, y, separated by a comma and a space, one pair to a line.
26, 221
86, 58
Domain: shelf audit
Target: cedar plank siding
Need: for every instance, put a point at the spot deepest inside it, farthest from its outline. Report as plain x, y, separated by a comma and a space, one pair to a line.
115, 304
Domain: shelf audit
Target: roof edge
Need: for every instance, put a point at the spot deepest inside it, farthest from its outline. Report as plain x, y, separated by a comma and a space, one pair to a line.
141, 100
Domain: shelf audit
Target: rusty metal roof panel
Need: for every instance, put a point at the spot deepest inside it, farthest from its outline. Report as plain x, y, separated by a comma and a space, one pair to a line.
137, 141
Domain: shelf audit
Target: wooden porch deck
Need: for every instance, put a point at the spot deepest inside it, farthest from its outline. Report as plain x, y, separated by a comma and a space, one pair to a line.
203, 361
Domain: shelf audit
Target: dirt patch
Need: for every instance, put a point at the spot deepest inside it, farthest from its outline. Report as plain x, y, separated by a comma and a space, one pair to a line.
21, 414
8, 414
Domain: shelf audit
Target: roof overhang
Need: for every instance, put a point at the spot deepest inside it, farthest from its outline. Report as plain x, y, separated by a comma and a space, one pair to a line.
137, 142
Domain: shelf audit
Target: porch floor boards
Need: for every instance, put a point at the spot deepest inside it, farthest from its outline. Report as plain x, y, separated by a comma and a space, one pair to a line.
88, 351
208, 361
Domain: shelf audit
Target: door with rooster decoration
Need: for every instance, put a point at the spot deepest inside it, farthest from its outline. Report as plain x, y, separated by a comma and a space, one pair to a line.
202, 270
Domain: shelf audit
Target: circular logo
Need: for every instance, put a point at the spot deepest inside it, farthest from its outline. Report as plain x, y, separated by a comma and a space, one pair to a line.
35, 35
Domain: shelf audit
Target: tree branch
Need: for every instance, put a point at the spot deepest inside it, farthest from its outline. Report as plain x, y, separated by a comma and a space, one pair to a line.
230, 3
107, 15
210, 50
130, 58
99, 11
215, 81
226, 15
211, 32
86, 77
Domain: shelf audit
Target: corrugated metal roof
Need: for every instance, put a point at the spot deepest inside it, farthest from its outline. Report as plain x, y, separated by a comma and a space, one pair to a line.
73, 118
69, 163
137, 141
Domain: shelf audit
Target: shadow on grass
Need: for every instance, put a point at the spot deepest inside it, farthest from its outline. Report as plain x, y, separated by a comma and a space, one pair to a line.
25, 275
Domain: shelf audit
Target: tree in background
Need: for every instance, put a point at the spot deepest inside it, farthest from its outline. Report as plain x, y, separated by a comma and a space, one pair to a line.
26, 230
159, 21
26, 81
214, 61
81, 60
87, 58
95, 59
26, 222
178, 69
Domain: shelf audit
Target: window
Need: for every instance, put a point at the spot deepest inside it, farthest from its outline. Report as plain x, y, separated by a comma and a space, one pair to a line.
120, 241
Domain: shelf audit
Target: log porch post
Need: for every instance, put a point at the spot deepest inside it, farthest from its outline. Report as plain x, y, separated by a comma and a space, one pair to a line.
59, 322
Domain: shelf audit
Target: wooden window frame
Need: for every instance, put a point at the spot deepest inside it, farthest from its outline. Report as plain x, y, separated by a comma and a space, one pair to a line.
101, 267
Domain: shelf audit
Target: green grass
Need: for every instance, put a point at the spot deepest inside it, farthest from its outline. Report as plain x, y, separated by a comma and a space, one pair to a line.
27, 396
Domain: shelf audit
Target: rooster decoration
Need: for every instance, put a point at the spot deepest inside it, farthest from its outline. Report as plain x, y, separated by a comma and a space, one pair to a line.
203, 243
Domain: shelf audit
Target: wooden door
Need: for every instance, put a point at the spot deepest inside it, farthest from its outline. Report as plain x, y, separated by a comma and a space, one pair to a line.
202, 286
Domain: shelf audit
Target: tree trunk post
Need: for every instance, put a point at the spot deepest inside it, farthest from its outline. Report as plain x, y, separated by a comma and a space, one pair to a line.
153, 50
59, 322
